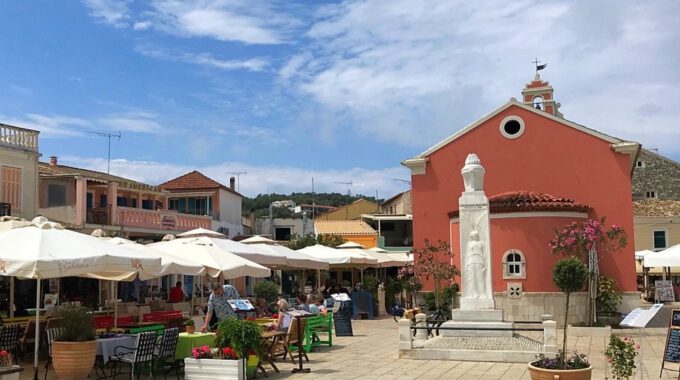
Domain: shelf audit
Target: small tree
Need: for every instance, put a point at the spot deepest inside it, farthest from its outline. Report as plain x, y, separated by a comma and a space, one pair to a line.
586, 240
569, 275
435, 261
408, 280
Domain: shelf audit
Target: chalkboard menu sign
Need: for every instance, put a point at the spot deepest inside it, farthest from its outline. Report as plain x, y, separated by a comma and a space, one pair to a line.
673, 346
672, 351
664, 291
343, 320
363, 304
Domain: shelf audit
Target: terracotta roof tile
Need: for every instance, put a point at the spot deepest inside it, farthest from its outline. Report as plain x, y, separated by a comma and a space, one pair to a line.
343, 227
530, 201
656, 208
192, 181
46, 169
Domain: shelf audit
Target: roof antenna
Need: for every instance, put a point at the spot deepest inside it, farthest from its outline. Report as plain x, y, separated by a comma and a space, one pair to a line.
107, 135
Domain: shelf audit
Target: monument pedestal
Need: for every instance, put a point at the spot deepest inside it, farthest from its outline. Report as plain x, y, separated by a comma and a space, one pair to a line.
477, 303
478, 321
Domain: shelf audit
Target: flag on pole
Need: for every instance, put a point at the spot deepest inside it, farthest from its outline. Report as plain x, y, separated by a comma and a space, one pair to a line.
541, 67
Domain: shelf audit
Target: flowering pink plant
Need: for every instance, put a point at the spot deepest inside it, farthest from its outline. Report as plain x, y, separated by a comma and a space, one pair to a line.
206, 352
5, 359
621, 353
578, 238
203, 352
435, 261
229, 353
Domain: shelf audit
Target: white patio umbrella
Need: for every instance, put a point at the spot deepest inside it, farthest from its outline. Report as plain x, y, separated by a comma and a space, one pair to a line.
216, 260
294, 259
405, 257
42, 249
254, 254
639, 255
170, 263
338, 257
382, 260
669, 257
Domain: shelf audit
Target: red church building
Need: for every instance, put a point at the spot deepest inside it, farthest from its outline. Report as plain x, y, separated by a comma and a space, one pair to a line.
542, 172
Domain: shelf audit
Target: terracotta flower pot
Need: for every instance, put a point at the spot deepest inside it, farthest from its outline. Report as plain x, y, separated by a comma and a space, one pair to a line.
73, 360
191, 329
537, 373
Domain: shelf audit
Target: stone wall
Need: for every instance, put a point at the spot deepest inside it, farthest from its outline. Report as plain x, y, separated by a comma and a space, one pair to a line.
658, 174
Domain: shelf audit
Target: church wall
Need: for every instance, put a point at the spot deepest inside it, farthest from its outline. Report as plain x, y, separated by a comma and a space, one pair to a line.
549, 158
529, 235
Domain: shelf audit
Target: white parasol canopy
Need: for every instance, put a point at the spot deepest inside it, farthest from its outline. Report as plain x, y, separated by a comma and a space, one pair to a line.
203, 251
42, 249
338, 257
639, 255
170, 264
294, 259
381, 259
669, 257
254, 254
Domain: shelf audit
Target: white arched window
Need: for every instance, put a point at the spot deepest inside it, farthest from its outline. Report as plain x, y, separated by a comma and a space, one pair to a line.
514, 265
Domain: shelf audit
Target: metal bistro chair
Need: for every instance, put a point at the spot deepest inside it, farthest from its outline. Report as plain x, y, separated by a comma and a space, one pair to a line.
165, 351
9, 339
51, 334
142, 354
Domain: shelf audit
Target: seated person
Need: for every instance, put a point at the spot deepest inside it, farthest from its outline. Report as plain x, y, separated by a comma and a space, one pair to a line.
176, 293
283, 321
301, 302
261, 307
313, 306
320, 305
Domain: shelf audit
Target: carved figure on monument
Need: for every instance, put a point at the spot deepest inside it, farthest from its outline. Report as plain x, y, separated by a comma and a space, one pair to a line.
475, 266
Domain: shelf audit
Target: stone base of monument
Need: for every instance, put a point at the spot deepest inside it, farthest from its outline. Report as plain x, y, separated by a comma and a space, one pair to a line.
474, 329
481, 315
477, 349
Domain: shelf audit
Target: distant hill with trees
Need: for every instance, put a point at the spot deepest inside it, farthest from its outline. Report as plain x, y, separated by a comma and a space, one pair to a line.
260, 204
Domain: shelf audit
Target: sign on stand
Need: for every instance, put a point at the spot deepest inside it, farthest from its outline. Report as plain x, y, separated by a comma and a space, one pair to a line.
639, 318
664, 291
671, 352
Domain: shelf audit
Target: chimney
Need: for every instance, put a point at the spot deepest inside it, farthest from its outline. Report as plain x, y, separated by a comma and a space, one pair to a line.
53, 160
232, 183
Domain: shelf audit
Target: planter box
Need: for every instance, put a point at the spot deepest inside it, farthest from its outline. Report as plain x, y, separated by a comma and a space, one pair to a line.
556, 374
213, 369
599, 332
10, 373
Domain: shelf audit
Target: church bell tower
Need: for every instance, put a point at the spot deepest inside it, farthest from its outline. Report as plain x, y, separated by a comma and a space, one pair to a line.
539, 94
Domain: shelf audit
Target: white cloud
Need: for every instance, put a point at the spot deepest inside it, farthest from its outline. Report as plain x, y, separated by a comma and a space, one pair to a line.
202, 59
413, 72
50, 126
112, 12
133, 121
247, 21
259, 179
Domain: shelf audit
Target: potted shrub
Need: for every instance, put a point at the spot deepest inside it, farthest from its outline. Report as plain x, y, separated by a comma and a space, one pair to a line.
73, 351
569, 275
190, 326
267, 290
235, 339
621, 353
245, 338
214, 363
608, 300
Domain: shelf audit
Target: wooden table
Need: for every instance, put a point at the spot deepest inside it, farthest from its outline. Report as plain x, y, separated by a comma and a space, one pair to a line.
271, 338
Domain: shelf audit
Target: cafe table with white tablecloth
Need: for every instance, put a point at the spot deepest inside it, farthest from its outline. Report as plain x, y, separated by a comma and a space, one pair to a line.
107, 346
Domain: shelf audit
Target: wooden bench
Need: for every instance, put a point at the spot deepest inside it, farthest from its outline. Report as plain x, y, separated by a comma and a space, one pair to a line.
319, 324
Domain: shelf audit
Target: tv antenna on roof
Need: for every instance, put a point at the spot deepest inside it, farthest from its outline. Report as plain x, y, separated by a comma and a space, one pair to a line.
349, 184
107, 135
402, 181
238, 177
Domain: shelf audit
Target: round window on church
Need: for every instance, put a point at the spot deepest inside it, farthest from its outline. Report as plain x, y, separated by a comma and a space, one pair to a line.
512, 127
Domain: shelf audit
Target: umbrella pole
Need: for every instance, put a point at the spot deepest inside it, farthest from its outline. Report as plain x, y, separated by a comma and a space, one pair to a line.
114, 286
11, 297
37, 328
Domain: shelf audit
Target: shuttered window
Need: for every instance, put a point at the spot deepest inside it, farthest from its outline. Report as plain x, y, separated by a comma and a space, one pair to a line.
11, 187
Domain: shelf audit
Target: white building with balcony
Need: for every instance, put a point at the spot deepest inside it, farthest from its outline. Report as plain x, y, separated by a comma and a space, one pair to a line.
19, 157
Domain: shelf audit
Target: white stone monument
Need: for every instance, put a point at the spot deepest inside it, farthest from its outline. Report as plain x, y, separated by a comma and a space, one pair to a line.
477, 303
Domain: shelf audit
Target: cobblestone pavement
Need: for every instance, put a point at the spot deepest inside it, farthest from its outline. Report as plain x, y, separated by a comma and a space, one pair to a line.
372, 354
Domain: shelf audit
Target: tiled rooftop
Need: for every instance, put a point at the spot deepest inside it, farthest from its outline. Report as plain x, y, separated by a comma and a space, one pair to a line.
343, 227
192, 181
528, 201
656, 208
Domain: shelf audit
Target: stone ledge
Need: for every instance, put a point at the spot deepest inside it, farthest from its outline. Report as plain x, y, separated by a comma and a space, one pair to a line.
470, 355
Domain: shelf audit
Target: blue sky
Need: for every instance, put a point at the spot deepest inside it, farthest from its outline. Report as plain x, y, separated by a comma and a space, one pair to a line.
339, 91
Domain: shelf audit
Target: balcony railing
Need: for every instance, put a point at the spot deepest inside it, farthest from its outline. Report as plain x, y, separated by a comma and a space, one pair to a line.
161, 219
20, 138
